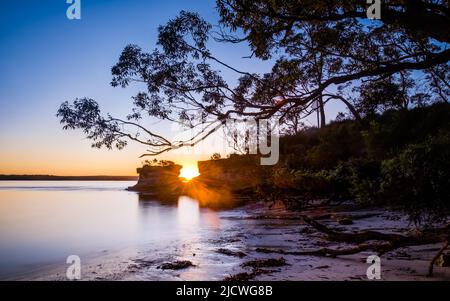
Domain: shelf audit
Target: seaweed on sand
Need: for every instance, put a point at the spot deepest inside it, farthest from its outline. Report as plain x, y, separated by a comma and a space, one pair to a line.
176, 265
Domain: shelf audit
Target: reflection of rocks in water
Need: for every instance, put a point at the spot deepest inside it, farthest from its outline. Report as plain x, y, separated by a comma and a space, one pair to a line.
214, 197
169, 199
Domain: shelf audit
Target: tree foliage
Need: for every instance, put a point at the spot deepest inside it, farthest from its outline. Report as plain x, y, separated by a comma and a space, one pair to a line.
321, 51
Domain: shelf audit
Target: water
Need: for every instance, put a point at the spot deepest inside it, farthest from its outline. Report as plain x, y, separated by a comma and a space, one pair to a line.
119, 236
43, 222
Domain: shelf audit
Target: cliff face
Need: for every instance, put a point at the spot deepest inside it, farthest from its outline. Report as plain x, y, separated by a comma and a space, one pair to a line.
218, 186
238, 173
159, 180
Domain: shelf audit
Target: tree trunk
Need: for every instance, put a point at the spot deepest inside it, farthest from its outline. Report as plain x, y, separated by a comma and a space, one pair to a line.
321, 109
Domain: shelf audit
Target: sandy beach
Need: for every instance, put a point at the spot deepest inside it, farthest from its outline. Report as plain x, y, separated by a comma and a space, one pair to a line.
265, 228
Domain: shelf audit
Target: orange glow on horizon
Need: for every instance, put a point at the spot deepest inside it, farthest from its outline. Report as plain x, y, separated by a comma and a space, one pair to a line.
83, 161
189, 172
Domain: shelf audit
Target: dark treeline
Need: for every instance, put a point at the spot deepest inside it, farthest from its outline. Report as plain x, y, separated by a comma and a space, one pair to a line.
400, 159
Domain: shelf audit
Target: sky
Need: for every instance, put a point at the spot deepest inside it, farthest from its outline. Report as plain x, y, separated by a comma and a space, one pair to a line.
46, 59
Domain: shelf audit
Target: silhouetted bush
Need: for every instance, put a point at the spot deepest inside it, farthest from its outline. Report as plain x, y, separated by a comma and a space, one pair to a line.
311, 184
418, 179
401, 159
356, 179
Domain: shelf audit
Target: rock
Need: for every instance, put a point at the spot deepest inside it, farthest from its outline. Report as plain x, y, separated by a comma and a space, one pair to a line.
141, 263
247, 276
306, 230
345, 221
239, 277
159, 180
231, 253
261, 263
322, 267
176, 265
443, 260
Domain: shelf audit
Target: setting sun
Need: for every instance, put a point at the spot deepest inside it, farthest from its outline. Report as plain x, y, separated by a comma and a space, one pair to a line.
189, 172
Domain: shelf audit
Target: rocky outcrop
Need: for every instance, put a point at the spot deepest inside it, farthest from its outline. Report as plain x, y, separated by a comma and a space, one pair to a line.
222, 183
159, 180
237, 173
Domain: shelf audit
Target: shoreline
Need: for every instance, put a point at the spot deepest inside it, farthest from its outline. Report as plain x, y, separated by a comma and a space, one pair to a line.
228, 256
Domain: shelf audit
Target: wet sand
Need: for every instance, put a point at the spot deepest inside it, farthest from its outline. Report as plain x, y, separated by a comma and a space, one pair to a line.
243, 231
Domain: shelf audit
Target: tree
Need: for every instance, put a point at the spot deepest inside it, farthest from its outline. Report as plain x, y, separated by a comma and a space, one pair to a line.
359, 49
323, 51
216, 156
161, 163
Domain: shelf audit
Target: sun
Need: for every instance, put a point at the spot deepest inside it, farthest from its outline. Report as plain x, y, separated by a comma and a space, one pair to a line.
189, 172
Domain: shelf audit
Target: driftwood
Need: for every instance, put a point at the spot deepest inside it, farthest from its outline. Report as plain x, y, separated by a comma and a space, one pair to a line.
395, 240
384, 242
327, 252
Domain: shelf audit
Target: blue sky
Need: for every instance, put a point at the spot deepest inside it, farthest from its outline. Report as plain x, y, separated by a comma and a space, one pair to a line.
47, 59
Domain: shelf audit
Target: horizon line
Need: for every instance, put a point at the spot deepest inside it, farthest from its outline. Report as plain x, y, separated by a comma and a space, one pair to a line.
60, 177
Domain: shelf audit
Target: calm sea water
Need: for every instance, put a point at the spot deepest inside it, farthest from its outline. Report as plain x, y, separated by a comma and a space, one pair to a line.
43, 222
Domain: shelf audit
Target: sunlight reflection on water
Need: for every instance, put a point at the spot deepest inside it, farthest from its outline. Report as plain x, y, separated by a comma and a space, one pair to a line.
44, 222
188, 212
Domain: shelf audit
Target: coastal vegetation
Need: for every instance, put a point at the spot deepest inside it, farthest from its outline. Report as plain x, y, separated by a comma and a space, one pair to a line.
401, 159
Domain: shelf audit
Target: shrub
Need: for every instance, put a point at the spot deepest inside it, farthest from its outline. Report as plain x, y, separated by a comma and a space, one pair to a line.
399, 158
309, 184
356, 179
418, 179
391, 132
